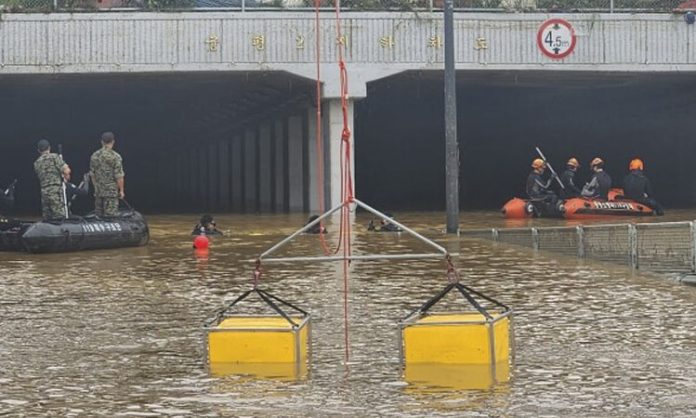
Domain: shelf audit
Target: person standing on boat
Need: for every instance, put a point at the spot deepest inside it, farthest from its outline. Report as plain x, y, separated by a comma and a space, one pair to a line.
637, 187
568, 179
106, 171
52, 171
599, 184
538, 189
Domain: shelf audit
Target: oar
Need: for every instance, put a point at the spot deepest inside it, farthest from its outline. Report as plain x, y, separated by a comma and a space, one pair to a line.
553, 172
65, 194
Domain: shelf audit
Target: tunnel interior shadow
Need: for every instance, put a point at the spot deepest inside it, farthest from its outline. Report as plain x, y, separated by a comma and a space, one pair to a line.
502, 116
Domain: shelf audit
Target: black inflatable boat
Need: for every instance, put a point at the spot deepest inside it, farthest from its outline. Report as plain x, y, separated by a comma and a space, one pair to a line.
129, 229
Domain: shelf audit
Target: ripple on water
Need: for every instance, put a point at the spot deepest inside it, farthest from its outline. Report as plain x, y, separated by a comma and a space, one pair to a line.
118, 333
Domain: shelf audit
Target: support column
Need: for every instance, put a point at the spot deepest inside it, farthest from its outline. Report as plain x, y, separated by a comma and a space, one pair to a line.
265, 171
250, 180
224, 164
281, 174
193, 177
312, 166
213, 177
237, 174
295, 168
202, 186
335, 129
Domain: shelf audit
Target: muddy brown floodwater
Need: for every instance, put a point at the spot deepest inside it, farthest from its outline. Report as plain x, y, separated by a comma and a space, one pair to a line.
119, 333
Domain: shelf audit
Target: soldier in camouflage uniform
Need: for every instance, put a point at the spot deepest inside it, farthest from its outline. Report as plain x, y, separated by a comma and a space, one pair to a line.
106, 170
52, 172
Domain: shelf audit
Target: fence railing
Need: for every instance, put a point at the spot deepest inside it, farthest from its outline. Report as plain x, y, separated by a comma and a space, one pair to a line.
661, 247
554, 6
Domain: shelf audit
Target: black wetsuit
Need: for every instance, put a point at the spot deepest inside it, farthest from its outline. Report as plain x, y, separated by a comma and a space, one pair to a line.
210, 230
637, 187
386, 227
568, 179
316, 229
538, 189
599, 186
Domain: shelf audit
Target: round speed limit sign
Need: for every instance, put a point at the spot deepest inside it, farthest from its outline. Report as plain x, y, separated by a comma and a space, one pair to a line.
556, 38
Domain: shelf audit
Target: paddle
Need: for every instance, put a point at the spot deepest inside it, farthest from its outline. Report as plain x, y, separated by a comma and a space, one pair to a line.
553, 172
64, 188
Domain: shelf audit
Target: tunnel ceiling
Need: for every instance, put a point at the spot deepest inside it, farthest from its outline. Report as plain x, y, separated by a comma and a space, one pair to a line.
158, 107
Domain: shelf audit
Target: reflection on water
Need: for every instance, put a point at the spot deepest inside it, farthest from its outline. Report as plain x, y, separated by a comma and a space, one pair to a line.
119, 333
426, 378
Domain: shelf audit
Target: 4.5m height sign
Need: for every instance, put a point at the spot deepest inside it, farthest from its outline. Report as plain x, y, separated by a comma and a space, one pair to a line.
556, 38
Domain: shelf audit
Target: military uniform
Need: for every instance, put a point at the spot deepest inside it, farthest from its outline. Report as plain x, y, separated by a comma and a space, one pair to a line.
106, 167
49, 169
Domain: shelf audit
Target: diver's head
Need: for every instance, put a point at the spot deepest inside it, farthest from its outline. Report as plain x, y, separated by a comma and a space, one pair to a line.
207, 220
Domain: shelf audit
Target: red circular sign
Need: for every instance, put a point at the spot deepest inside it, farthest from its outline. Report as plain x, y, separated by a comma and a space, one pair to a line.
556, 38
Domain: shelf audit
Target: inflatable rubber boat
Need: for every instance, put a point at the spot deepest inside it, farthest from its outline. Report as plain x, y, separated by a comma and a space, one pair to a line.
129, 229
577, 208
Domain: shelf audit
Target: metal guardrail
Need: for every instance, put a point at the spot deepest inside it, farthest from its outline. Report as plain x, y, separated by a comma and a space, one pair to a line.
544, 6
660, 247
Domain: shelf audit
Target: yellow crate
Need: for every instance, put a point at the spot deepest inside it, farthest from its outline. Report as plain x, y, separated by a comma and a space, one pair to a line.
457, 338
258, 339
424, 376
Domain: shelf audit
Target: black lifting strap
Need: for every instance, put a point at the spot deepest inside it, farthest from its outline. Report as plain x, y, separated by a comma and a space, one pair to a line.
466, 292
268, 299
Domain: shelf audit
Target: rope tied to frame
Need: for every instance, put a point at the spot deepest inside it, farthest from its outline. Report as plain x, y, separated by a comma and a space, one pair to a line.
452, 273
257, 273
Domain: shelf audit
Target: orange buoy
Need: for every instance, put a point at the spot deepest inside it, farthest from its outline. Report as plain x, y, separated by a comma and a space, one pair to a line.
201, 242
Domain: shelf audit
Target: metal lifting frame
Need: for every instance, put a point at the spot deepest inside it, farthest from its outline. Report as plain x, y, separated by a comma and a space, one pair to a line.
441, 251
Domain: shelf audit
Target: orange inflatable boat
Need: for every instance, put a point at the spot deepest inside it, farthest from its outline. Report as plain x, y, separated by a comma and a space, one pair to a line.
577, 208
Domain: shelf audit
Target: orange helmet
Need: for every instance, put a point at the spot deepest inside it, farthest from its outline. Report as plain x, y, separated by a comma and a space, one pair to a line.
636, 164
596, 161
538, 163
573, 162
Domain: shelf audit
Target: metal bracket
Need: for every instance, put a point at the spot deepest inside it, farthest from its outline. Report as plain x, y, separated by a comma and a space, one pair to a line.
441, 252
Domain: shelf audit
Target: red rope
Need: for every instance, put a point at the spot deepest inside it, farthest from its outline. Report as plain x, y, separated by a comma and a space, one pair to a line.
344, 233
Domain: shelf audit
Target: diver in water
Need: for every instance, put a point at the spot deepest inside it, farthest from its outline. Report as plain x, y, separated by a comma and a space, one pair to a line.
206, 226
316, 228
384, 226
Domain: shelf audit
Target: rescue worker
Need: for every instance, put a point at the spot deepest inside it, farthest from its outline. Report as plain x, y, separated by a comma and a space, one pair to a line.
600, 182
106, 171
206, 226
384, 226
52, 171
316, 228
538, 189
637, 186
568, 179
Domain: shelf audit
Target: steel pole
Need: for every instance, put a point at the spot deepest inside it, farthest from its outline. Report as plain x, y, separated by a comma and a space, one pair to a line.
451, 146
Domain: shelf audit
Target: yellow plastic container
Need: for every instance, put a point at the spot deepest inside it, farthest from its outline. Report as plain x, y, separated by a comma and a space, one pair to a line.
258, 339
457, 338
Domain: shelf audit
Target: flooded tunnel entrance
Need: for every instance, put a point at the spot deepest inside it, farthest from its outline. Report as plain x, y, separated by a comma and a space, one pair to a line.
172, 131
504, 115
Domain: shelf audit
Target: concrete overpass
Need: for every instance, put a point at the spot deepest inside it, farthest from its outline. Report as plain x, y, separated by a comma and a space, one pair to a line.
229, 95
